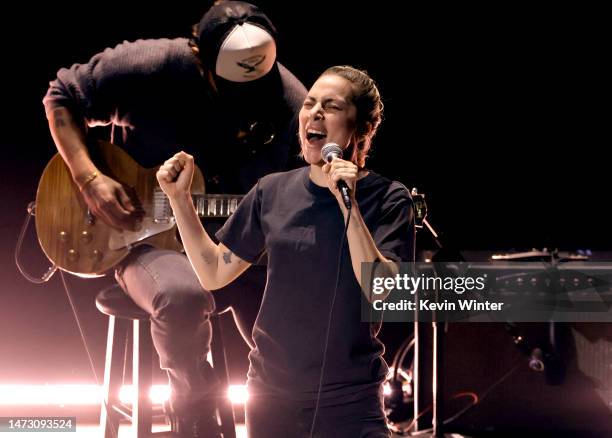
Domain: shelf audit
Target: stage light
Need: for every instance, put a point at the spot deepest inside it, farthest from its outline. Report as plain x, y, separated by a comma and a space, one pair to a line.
83, 395
386, 389
238, 394
43, 395
158, 394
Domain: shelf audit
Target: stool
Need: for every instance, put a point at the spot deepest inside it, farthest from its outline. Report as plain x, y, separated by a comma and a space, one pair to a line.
120, 309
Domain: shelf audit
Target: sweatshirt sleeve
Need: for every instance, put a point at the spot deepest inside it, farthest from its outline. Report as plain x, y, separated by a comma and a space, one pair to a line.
103, 90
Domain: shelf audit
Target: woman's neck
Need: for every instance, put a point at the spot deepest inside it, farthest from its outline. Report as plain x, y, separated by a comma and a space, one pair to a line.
317, 176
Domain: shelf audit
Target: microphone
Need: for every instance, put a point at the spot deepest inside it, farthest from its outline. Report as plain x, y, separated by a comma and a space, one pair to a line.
328, 153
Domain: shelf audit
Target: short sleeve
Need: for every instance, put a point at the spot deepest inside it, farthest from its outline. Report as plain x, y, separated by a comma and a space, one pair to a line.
394, 232
242, 233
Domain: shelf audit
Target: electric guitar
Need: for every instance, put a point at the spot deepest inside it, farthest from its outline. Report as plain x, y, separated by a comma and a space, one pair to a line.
79, 243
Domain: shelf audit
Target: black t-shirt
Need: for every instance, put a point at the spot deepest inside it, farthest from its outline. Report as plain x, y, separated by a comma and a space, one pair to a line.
300, 226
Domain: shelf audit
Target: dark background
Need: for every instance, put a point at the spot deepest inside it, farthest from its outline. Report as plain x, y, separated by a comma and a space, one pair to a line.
495, 113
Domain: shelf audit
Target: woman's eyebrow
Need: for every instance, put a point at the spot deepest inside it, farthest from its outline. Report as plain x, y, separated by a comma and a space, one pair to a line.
326, 99
334, 99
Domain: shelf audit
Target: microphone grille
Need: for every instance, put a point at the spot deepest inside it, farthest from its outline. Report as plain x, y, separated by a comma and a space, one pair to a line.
330, 150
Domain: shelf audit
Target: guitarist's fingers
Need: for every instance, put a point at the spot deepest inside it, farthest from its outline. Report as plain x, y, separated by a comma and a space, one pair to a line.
110, 220
125, 200
107, 218
120, 216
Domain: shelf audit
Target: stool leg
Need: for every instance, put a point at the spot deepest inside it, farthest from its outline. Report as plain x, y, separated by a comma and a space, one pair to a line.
224, 405
117, 333
142, 378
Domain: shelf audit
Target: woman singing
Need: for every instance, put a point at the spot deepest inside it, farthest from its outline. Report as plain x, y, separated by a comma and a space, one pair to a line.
317, 369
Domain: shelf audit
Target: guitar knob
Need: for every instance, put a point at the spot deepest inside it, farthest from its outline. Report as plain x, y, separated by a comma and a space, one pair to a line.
63, 236
96, 255
86, 236
73, 255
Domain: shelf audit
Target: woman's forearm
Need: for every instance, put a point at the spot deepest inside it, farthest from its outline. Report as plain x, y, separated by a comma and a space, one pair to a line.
213, 264
201, 250
363, 250
175, 177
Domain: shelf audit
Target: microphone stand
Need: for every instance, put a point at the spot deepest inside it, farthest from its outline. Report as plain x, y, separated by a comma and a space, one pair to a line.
433, 340
548, 359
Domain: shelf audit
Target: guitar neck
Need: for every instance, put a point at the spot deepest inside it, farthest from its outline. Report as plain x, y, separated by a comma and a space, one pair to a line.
216, 205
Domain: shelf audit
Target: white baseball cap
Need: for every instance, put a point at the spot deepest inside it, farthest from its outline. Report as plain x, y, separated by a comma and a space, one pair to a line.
236, 41
247, 53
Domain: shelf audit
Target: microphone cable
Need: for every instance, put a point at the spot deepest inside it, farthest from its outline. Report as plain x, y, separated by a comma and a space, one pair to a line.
329, 318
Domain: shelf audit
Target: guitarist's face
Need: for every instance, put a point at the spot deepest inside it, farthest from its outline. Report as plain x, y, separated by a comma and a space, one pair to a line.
246, 105
233, 92
245, 93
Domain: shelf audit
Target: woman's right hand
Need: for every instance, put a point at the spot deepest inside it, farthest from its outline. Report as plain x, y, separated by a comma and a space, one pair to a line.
175, 175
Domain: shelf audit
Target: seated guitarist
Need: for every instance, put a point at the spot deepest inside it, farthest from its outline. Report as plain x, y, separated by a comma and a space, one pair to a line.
220, 95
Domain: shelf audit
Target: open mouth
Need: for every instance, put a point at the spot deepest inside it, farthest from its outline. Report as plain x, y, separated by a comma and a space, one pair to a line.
314, 135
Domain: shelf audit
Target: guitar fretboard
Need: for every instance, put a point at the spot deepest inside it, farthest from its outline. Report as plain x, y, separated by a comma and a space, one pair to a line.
211, 205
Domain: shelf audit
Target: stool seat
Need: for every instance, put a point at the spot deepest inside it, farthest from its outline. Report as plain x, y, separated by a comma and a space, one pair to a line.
113, 301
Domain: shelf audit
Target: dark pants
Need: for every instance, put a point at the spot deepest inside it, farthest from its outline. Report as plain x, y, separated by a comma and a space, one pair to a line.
268, 416
164, 284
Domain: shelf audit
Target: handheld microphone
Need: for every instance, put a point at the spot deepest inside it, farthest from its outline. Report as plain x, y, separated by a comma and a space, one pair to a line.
328, 153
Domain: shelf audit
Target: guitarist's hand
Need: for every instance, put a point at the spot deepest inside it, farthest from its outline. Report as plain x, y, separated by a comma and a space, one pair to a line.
108, 200
175, 175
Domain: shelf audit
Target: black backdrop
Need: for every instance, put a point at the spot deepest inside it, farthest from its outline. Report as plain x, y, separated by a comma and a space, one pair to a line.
496, 113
